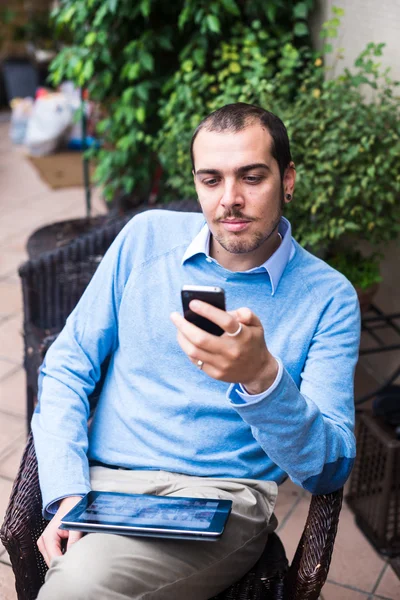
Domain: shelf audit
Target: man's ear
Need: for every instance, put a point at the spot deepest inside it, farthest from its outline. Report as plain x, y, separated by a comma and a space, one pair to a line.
289, 180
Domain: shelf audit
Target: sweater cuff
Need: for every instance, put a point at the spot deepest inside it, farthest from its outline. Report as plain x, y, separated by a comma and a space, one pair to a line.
237, 394
50, 508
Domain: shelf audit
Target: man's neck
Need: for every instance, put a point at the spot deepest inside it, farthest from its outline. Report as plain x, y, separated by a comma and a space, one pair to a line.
248, 260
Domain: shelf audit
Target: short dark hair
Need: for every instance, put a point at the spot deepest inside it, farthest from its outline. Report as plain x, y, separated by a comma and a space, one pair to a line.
238, 116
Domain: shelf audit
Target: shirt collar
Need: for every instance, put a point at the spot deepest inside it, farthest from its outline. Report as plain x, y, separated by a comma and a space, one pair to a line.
274, 266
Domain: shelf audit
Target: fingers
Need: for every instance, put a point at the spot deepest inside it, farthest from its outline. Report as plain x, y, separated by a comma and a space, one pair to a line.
202, 339
42, 550
50, 542
73, 537
226, 320
192, 351
246, 317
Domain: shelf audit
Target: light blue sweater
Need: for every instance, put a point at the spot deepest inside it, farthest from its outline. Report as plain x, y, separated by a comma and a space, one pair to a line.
159, 411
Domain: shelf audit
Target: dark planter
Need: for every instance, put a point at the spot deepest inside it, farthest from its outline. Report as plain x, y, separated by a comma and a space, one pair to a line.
62, 233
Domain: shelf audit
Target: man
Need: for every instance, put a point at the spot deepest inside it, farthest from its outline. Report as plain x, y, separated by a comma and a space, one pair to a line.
182, 411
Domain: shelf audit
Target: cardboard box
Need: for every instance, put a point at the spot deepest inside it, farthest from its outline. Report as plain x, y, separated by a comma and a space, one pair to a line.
62, 169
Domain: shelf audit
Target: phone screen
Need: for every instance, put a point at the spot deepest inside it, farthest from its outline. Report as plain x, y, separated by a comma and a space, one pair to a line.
209, 294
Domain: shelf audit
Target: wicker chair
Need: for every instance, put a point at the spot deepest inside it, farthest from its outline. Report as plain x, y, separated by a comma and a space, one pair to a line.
52, 285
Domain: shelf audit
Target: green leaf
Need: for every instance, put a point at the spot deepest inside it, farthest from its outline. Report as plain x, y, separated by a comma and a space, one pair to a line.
68, 14
338, 11
213, 23
352, 226
140, 114
147, 61
128, 94
184, 17
112, 5
300, 29
142, 91
90, 38
199, 56
271, 12
131, 72
327, 48
231, 7
301, 11
145, 7
88, 70
100, 14
164, 42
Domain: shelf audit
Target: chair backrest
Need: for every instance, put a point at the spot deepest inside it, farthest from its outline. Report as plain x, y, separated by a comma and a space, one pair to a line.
53, 283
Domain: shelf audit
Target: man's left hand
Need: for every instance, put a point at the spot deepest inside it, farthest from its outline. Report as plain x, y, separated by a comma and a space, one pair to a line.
243, 359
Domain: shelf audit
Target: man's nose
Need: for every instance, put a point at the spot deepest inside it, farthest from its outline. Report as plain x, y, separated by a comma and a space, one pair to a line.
232, 195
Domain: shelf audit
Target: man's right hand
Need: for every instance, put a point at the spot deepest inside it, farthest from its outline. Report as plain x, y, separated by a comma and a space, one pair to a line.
52, 540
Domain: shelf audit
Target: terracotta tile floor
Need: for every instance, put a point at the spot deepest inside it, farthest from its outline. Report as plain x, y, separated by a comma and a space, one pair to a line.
357, 571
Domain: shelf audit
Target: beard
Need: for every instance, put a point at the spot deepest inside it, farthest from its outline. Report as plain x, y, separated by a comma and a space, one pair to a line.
236, 245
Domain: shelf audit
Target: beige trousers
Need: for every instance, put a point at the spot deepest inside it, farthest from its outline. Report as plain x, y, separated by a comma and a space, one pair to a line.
116, 567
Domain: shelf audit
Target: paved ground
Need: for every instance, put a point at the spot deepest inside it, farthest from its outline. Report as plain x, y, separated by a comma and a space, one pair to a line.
357, 571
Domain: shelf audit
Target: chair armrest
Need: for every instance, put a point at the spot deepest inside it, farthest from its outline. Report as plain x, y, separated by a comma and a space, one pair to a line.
309, 569
23, 524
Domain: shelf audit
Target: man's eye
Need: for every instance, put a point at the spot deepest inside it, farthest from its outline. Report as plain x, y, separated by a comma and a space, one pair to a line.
210, 182
252, 179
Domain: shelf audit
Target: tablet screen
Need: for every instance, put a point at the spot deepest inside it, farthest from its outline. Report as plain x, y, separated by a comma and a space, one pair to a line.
151, 511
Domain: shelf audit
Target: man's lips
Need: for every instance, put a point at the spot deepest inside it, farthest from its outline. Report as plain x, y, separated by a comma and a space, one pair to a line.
234, 224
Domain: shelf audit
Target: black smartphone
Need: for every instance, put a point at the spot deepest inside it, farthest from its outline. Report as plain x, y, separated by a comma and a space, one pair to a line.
205, 293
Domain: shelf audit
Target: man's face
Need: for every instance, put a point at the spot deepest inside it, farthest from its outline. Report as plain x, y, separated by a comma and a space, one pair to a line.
240, 190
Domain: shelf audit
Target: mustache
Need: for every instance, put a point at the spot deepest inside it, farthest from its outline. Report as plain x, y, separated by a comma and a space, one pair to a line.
234, 214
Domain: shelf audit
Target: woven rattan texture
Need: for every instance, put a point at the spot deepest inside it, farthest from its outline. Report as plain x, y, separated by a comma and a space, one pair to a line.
311, 562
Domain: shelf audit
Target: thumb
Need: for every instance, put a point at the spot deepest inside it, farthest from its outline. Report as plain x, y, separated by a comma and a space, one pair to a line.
73, 537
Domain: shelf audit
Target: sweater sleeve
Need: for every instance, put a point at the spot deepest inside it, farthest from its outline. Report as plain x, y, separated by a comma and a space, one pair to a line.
68, 375
308, 431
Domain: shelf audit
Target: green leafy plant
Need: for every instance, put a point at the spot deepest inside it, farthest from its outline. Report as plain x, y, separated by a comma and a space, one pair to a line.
126, 54
345, 131
346, 150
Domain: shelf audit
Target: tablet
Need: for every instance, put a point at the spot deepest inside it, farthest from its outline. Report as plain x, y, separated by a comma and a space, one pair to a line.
150, 516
